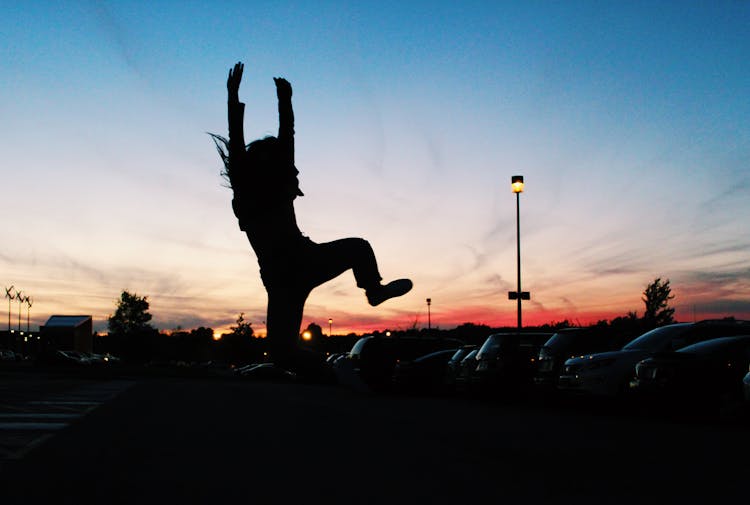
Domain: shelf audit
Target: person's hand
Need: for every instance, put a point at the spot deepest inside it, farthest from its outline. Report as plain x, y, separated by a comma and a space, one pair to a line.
233, 81
283, 88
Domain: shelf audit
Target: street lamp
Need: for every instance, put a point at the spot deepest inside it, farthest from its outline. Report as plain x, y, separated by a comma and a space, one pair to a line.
330, 325
429, 322
29, 303
516, 183
20, 298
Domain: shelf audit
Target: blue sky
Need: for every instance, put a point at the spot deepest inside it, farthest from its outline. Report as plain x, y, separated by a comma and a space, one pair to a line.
628, 121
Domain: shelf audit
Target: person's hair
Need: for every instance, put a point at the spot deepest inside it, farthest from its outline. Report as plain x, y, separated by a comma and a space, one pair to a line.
257, 153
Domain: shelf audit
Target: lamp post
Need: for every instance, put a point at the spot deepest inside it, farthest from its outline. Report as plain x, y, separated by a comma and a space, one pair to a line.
21, 299
330, 325
29, 303
516, 183
429, 322
10, 296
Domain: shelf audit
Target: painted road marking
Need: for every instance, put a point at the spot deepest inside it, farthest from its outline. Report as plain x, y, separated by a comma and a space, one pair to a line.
26, 425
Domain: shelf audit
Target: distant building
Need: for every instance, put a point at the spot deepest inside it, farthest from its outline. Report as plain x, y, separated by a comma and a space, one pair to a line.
68, 333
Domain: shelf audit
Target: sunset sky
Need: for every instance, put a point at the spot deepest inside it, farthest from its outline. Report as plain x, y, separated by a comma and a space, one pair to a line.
630, 122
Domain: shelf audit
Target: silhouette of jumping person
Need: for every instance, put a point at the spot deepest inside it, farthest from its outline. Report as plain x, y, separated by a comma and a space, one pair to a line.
264, 181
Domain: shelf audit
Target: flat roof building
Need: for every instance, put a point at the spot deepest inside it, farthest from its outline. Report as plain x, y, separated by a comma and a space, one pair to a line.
68, 333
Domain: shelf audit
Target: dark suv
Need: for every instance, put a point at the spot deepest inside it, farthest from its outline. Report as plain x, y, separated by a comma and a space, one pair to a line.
374, 358
569, 343
506, 360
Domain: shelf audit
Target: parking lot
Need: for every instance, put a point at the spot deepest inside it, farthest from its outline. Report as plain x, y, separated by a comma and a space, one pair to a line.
222, 440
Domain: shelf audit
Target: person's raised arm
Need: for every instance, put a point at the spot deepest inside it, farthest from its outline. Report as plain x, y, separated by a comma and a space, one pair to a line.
286, 118
236, 114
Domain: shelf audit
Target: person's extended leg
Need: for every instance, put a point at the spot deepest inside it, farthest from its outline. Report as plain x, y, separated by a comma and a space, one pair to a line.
329, 260
284, 318
283, 321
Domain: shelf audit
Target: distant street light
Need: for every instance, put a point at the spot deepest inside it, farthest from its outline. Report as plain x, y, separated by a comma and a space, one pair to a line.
20, 298
10, 296
516, 183
29, 303
330, 325
429, 322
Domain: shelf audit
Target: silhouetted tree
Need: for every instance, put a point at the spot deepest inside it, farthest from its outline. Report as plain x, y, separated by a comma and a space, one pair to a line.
131, 315
129, 326
240, 346
316, 336
243, 328
656, 297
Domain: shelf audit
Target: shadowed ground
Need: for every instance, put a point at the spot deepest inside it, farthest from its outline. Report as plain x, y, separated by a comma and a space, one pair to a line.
172, 440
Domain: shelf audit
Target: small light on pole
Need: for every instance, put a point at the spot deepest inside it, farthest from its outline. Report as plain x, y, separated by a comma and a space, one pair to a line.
516, 183
330, 325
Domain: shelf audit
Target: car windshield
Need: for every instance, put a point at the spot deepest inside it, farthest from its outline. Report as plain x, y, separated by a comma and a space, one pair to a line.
561, 339
459, 355
472, 355
497, 342
437, 356
657, 338
357, 348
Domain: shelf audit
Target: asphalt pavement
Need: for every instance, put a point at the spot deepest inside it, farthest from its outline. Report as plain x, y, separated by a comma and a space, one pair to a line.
142, 440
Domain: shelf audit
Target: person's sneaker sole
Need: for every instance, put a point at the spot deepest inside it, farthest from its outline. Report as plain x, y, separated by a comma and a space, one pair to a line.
393, 289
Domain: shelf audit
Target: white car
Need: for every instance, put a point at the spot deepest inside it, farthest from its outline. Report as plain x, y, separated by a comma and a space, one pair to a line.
609, 373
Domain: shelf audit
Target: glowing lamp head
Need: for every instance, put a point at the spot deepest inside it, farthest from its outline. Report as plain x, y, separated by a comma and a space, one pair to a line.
306, 336
516, 182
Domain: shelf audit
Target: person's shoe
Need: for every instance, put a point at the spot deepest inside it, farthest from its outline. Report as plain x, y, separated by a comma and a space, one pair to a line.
378, 295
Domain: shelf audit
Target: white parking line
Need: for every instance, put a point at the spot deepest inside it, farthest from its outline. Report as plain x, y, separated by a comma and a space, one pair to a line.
32, 426
27, 425
64, 403
38, 415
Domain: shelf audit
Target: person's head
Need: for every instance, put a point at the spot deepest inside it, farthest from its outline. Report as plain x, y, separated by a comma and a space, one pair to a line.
261, 155
266, 163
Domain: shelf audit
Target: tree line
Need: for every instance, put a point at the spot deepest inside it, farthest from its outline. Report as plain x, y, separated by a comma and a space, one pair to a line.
132, 336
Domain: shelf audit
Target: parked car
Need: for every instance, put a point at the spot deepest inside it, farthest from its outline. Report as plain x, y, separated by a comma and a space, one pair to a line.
467, 371
703, 375
424, 374
266, 372
331, 359
7, 355
58, 357
609, 373
453, 367
508, 360
373, 358
569, 343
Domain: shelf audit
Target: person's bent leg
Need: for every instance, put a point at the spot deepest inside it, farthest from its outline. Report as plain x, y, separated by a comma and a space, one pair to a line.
330, 259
